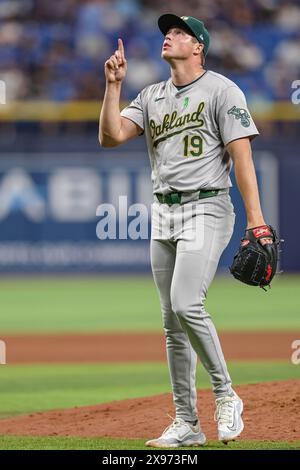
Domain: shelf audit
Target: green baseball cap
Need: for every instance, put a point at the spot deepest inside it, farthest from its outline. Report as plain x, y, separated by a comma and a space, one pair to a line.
196, 27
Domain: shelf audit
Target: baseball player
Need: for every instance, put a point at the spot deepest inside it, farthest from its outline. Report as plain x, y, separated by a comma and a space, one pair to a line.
196, 124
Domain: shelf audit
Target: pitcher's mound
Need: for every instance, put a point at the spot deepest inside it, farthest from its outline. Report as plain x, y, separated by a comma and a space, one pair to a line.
272, 412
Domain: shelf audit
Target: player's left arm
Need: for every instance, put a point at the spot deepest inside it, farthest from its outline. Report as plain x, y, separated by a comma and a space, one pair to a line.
241, 155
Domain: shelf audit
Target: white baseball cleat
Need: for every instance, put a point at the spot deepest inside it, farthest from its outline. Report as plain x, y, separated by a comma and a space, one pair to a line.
179, 433
229, 417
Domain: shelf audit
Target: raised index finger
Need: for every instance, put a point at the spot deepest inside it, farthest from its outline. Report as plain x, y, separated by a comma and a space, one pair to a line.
121, 48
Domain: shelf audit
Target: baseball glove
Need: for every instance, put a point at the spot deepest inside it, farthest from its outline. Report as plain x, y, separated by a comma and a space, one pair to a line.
255, 264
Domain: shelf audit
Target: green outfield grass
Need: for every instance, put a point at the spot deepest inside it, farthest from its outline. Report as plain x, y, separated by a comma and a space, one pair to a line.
27, 389
131, 304
68, 443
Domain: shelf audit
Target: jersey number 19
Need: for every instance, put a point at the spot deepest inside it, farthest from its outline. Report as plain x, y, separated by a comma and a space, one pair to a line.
193, 146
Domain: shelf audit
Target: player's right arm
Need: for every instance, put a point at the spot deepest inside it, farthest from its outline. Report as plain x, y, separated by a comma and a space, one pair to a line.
113, 128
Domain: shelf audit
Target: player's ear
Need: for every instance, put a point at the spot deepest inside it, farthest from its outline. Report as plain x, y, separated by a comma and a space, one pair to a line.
199, 48
200, 52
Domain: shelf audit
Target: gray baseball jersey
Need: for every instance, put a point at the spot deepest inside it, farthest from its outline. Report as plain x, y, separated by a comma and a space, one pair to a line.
187, 130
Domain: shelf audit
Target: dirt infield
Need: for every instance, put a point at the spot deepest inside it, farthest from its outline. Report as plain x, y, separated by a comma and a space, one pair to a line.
129, 347
271, 413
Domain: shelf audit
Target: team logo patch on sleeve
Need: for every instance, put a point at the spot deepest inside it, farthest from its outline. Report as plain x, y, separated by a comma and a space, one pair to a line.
242, 114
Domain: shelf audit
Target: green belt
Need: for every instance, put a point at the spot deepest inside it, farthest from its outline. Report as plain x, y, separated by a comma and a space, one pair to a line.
175, 198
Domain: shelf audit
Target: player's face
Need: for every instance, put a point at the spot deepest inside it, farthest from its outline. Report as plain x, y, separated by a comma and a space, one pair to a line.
178, 44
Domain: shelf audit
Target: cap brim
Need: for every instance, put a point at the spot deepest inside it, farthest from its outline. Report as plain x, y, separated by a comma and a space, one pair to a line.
167, 21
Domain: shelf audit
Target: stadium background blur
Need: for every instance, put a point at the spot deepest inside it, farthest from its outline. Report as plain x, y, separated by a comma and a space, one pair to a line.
56, 50
53, 173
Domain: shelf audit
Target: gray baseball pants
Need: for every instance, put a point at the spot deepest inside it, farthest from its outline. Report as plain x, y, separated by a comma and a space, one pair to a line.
183, 267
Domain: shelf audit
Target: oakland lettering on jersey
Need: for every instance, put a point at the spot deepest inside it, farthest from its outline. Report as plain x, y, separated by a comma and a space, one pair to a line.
173, 121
